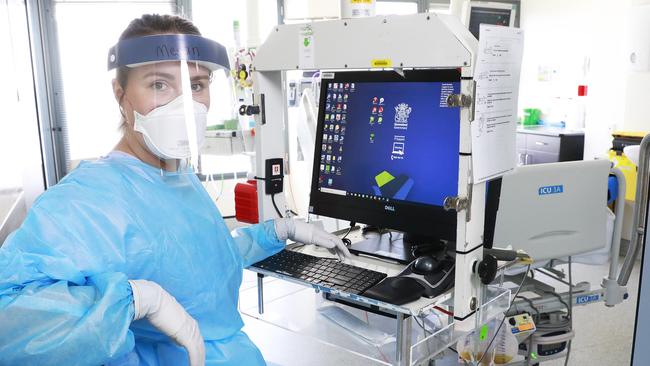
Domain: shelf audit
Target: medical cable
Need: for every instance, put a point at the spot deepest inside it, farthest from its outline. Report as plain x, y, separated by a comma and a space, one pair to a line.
532, 306
560, 299
424, 329
568, 347
210, 180
504, 316
378, 348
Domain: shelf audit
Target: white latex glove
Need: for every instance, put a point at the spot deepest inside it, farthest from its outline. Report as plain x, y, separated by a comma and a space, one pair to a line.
303, 232
165, 313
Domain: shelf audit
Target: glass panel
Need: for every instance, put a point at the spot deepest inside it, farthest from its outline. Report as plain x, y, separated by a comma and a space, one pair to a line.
22, 172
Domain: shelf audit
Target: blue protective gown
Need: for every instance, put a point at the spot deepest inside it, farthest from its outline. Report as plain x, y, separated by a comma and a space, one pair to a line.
64, 295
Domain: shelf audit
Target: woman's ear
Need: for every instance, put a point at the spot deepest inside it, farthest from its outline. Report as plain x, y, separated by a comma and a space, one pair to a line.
118, 91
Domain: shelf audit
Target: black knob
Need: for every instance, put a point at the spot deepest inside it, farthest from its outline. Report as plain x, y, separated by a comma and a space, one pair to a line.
249, 110
512, 321
487, 269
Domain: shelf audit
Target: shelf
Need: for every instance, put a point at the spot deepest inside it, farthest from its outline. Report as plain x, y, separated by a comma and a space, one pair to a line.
305, 311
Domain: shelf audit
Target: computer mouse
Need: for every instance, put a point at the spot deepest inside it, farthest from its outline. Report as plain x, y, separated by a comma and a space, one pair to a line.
425, 265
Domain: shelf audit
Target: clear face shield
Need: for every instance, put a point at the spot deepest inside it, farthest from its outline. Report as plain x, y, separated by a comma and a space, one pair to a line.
166, 96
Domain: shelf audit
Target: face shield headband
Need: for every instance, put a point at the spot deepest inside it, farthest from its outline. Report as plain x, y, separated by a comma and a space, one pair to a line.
168, 47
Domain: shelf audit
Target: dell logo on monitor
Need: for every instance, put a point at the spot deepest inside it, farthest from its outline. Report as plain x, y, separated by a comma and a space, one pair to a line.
550, 190
389, 208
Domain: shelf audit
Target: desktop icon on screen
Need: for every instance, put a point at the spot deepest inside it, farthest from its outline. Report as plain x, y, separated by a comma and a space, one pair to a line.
398, 148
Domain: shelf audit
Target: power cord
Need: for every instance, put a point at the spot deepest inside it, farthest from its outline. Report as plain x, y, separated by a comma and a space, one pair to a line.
345, 239
276, 206
278, 210
504, 315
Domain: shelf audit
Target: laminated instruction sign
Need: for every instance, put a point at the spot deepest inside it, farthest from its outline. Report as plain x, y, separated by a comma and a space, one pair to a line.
494, 129
306, 48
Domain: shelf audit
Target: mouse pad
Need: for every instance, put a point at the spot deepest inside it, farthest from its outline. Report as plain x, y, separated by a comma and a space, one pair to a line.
396, 290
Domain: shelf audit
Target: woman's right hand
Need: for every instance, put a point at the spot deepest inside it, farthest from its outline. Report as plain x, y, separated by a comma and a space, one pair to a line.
165, 313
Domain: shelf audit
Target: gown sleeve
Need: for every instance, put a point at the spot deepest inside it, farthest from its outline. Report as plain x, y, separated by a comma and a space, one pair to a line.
59, 298
256, 242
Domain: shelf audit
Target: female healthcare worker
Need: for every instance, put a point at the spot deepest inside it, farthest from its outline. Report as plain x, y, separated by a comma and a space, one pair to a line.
127, 261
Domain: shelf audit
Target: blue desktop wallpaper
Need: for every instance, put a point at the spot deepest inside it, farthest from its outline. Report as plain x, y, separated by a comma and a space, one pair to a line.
398, 140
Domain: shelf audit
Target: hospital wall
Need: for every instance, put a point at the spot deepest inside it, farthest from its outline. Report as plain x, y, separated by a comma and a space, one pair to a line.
568, 43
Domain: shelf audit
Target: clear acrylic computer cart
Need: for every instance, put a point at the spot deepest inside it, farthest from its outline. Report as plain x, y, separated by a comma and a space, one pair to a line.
410, 334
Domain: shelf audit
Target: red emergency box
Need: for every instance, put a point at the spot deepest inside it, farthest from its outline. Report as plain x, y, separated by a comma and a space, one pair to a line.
246, 202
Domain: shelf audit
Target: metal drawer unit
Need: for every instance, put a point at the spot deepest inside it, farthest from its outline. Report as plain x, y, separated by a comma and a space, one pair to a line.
538, 145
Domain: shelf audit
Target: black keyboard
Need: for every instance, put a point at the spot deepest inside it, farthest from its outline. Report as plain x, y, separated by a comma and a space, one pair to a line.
321, 271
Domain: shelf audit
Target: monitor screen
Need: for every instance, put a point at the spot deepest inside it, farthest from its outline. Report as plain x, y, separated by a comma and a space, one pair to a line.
487, 15
387, 148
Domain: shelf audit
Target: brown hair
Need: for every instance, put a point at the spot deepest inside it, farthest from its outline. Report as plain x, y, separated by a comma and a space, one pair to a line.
146, 25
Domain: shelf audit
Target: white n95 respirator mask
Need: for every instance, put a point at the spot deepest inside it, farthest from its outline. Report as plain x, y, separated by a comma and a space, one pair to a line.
165, 129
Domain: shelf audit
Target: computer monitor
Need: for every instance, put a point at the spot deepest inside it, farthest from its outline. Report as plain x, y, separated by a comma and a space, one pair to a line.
387, 150
553, 210
490, 13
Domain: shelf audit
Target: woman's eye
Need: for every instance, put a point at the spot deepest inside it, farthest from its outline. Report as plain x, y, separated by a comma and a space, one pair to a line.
197, 87
159, 85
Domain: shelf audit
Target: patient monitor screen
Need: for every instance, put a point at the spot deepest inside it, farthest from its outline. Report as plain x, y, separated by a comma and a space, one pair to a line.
387, 138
